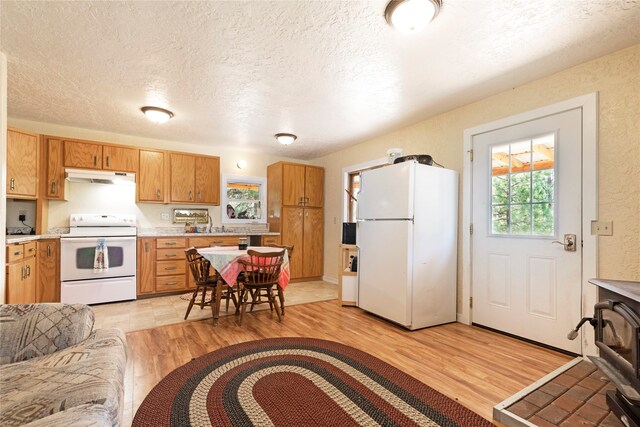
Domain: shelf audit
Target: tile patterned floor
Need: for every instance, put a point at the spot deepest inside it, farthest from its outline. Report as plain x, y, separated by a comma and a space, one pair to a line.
576, 397
167, 310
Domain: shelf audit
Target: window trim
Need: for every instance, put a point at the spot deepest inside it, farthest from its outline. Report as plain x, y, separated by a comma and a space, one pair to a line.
224, 200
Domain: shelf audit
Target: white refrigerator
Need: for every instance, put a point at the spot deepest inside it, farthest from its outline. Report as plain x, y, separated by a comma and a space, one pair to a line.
407, 244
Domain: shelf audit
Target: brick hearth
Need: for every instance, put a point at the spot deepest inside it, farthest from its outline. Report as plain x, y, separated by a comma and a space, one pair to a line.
575, 397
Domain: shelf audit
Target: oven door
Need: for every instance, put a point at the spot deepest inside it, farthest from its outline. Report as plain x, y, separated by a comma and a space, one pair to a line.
77, 257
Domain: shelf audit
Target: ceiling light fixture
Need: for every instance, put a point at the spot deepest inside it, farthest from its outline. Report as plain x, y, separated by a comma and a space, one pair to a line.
157, 114
285, 138
241, 164
411, 16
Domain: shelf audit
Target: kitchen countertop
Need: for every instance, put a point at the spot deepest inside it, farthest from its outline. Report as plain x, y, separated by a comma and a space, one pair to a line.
160, 233
21, 238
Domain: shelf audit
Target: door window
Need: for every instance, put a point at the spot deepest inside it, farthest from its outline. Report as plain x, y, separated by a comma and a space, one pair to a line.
523, 187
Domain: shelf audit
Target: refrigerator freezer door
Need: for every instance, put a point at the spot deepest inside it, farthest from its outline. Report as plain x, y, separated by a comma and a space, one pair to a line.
387, 192
384, 269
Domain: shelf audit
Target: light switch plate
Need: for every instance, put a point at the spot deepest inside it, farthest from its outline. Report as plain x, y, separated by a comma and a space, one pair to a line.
165, 216
602, 228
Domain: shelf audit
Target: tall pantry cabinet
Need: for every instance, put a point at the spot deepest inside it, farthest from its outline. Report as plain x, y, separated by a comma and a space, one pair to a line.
295, 199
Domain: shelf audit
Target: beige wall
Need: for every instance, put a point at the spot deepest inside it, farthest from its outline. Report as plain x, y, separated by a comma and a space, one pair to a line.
91, 198
616, 77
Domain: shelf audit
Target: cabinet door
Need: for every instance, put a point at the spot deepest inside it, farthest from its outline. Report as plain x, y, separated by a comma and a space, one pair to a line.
182, 178
292, 235
293, 185
151, 176
312, 263
82, 155
15, 283
22, 164
119, 159
314, 186
146, 265
208, 180
55, 169
29, 282
48, 285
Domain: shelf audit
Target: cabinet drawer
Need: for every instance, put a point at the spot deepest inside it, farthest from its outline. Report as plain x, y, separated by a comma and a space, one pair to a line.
224, 240
270, 240
165, 268
170, 254
170, 283
174, 242
29, 249
15, 252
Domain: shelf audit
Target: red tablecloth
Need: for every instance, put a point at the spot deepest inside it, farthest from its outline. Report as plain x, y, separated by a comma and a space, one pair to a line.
225, 260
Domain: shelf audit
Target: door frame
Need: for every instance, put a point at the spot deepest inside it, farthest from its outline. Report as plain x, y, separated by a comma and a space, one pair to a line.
589, 105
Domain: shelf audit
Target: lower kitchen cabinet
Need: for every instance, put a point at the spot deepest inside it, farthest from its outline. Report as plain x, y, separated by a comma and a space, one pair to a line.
162, 264
48, 277
146, 266
21, 273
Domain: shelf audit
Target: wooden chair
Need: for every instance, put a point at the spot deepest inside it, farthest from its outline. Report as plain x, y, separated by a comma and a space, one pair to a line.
280, 291
201, 270
261, 273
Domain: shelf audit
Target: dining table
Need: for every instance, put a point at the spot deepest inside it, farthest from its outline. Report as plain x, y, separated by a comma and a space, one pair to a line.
225, 260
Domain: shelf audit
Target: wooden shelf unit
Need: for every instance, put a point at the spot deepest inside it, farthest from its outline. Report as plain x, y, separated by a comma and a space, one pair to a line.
347, 279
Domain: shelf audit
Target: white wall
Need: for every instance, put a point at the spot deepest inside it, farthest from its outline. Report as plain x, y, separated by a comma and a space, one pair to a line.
90, 198
3, 164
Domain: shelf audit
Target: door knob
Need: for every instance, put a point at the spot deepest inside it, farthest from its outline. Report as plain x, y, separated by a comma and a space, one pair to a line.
569, 242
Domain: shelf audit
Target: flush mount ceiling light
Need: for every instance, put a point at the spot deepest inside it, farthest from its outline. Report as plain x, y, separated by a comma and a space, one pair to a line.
157, 114
285, 138
241, 164
411, 16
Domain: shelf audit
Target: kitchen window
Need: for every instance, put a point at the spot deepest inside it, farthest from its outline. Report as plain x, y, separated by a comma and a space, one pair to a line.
244, 199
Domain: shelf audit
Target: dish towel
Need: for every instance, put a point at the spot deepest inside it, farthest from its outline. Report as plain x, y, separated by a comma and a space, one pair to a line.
101, 258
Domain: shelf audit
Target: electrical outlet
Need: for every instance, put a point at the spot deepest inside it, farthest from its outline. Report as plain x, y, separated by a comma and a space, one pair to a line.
22, 215
164, 216
602, 228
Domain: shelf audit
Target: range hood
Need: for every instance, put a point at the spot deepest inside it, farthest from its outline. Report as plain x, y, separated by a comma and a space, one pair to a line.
100, 177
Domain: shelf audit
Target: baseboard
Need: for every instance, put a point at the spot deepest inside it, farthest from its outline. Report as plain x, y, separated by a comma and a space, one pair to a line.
330, 279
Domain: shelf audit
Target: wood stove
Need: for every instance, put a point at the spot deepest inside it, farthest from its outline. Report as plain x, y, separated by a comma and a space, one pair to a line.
617, 333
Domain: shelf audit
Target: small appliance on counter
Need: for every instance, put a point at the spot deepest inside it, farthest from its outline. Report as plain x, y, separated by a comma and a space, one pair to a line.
98, 259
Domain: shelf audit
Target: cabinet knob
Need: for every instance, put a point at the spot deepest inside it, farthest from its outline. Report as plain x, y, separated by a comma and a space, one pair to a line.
146, 246
49, 250
170, 255
53, 187
200, 195
12, 184
170, 283
171, 268
108, 162
190, 195
158, 193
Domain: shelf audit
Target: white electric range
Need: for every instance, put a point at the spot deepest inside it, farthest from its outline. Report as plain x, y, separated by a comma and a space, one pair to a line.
81, 282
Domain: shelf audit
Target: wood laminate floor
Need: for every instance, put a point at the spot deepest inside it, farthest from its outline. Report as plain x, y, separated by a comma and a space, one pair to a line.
476, 367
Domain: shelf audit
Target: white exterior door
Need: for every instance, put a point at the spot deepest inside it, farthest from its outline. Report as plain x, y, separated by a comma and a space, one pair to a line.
526, 194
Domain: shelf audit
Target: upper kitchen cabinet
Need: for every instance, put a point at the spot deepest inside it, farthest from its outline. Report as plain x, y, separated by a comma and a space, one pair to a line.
302, 185
208, 180
194, 179
22, 164
82, 155
122, 159
55, 168
151, 178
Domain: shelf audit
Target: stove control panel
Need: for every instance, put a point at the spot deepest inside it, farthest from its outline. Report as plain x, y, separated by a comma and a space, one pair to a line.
102, 220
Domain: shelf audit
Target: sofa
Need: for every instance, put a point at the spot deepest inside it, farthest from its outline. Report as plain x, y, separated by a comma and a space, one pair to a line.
55, 370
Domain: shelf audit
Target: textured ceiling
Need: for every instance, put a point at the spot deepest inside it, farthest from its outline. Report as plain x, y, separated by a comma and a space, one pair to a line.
332, 72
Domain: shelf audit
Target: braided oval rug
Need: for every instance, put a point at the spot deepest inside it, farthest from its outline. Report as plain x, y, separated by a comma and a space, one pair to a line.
296, 382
